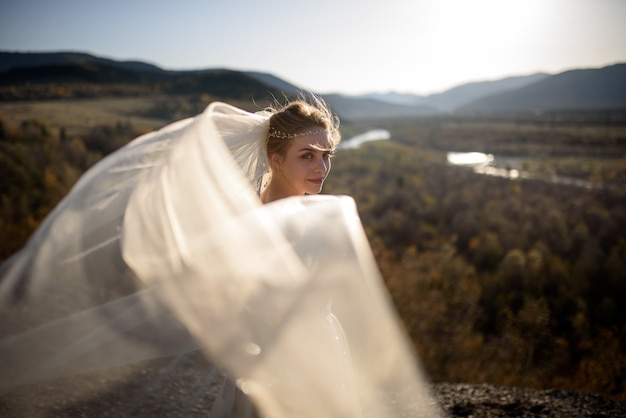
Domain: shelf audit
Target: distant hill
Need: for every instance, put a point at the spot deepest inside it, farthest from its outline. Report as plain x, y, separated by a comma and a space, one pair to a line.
583, 90
402, 99
457, 97
348, 107
576, 90
82, 72
34, 76
278, 83
361, 108
14, 60
39, 76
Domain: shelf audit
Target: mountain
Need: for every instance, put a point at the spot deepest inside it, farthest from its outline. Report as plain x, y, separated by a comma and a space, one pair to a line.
583, 90
575, 90
457, 97
79, 72
402, 99
14, 60
278, 83
348, 107
39, 76
33, 76
50, 66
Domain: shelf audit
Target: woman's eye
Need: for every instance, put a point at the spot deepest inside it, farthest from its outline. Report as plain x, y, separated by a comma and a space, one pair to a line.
325, 155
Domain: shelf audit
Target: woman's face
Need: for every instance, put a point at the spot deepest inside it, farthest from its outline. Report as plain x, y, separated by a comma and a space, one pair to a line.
304, 166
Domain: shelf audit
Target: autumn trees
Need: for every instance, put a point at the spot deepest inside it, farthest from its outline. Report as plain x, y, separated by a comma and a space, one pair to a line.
38, 167
518, 282
497, 280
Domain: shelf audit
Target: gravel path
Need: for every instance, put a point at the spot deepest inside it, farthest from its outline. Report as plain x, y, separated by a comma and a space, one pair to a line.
185, 386
465, 400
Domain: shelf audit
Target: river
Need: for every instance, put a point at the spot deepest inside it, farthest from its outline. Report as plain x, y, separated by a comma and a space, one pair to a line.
369, 136
510, 168
481, 163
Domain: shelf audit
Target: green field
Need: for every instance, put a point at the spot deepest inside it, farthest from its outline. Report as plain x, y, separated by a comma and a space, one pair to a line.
78, 115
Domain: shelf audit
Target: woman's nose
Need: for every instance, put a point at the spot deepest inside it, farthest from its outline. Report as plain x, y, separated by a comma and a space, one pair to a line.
321, 166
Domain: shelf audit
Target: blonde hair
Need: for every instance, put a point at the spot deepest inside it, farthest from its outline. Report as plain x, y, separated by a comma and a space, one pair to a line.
301, 117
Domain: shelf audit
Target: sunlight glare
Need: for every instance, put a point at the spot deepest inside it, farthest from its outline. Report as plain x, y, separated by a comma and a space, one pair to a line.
481, 39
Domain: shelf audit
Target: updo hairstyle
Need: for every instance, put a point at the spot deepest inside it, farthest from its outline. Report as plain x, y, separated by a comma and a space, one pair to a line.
300, 118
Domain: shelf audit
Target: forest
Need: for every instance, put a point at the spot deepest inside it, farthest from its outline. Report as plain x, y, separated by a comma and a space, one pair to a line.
509, 282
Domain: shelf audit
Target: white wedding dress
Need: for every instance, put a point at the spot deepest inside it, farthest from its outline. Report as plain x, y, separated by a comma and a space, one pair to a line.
164, 247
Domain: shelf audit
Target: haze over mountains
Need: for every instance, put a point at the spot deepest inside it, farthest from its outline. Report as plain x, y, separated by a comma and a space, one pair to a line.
580, 90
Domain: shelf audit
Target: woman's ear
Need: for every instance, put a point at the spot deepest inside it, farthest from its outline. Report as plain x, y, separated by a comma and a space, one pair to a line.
275, 160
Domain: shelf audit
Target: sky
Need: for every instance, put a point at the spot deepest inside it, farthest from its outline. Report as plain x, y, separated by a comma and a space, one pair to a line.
332, 46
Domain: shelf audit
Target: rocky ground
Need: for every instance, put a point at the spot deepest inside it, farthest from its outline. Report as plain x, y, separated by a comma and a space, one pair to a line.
185, 387
465, 400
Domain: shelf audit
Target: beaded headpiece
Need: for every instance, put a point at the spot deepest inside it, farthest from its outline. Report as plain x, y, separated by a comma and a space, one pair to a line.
287, 135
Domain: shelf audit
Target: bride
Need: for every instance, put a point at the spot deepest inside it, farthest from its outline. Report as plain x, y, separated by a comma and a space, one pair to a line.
209, 235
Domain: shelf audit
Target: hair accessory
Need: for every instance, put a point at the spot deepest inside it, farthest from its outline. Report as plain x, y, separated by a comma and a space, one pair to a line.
287, 135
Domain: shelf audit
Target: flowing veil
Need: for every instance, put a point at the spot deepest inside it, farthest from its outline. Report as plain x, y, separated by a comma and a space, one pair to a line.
163, 250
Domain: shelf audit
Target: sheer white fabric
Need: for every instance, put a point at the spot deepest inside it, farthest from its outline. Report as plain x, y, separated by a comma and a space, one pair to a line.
164, 248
